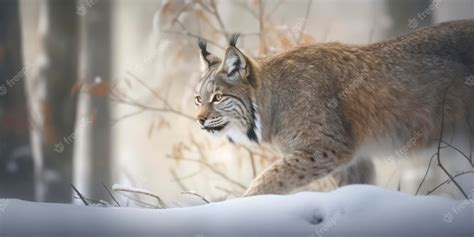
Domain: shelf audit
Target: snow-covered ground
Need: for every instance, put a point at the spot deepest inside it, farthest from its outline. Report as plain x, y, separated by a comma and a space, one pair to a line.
357, 210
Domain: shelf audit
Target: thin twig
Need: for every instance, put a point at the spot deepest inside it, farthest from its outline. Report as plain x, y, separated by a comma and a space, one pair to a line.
458, 150
212, 168
308, 9
181, 11
426, 174
188, 176
439, 143
162, 205
245, 6
153, 92
273, 10
151, 108
219, 19
129, 115
138, 202
178, 180
111, 195
79, 194
471, 132
448, 180
186, 33
197, 195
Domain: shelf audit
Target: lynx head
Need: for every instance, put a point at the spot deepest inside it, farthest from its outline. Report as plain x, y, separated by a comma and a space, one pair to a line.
224, 96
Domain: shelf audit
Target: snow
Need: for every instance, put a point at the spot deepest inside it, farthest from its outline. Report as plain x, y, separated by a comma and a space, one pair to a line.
357, 210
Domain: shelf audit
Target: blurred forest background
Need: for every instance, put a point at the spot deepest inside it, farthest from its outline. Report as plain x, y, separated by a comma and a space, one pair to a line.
99, 92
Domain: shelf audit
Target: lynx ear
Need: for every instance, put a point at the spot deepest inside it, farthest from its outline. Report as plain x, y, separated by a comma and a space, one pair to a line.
235, 62
207, 59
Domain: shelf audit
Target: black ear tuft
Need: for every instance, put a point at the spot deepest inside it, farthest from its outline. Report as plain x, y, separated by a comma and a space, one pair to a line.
203, 46
233, 39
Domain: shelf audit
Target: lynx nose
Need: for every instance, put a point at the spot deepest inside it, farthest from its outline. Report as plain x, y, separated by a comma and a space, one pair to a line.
203, 113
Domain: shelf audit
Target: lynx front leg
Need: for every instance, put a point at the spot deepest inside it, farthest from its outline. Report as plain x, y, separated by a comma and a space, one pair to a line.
279, 178
294, 171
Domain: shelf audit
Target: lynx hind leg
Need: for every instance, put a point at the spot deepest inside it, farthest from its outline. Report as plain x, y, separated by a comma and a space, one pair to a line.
360, 172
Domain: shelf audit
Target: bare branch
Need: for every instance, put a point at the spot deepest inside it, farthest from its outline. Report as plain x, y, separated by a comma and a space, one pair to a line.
439, 143
449, 180
273, 10
186, 33
151, 108
197, 195
308, 9
178, 180
131, 114
426, 174
218, 18
458, 150
212, 168
439, 147
162, 205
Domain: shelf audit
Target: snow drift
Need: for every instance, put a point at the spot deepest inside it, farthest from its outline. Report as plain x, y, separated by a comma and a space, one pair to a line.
357, 210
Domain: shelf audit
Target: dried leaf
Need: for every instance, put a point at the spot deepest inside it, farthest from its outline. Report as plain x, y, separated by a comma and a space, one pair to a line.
201, 15
76, 88
99, 89
307, 39
284, 40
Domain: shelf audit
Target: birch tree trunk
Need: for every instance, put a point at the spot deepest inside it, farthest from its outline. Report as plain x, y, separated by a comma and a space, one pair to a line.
96, 70
52, 101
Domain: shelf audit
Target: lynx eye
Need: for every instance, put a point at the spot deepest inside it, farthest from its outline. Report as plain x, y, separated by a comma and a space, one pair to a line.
197, 100
217, 98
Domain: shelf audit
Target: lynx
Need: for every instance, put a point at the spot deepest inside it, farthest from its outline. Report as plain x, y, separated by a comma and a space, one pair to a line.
328, 106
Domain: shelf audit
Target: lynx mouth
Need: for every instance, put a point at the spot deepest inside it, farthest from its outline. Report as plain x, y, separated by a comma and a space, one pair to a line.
215, 128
